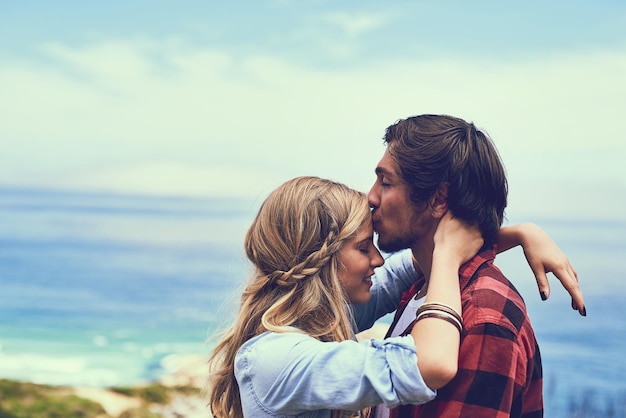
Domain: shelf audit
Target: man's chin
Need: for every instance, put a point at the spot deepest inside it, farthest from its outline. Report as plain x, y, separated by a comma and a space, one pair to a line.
390, 246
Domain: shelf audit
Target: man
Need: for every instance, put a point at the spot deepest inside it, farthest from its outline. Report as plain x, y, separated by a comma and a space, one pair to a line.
434, 164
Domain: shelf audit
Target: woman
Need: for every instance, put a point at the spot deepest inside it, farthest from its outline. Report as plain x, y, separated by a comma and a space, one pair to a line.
291, 350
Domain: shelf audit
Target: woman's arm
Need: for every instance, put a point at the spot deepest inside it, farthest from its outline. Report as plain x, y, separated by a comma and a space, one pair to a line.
543, 257
436, 340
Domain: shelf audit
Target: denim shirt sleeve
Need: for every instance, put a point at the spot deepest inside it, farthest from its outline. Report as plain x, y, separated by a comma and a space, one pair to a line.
388, 283
289, 373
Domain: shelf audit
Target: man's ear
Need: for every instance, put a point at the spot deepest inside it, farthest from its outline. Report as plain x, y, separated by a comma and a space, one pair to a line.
439, 201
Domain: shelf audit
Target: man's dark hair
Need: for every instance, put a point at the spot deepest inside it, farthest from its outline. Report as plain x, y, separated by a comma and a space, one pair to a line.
435, 149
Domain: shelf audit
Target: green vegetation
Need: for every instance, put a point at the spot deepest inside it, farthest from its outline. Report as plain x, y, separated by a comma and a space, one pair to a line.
142, 412
156, 393
27, 400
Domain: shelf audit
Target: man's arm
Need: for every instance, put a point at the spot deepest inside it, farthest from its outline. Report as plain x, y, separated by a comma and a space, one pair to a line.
543, 257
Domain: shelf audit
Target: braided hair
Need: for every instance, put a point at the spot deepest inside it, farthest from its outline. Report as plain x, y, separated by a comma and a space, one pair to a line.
293, 244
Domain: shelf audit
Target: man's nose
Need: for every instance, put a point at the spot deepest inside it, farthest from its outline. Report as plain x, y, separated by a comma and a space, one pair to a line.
372, 198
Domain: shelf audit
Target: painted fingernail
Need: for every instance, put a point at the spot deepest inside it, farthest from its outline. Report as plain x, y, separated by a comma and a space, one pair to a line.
583, 312
544, 296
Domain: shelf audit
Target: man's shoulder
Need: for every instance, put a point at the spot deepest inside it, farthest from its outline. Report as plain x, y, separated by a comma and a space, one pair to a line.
490, 298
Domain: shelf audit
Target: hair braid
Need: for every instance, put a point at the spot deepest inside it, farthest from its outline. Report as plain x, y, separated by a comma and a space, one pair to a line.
310, 266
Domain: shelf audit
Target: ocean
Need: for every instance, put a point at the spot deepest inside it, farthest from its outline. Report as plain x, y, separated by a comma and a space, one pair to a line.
100, 289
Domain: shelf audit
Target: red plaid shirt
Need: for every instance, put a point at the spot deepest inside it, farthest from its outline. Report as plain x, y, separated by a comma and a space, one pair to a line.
500, 372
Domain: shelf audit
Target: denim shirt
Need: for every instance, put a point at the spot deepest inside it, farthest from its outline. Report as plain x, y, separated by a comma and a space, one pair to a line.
294, 375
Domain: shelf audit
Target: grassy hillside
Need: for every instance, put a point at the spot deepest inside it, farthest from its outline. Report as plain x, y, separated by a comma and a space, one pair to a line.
28, 400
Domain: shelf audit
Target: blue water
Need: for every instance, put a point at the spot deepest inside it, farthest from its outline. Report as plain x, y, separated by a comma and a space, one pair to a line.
98, 289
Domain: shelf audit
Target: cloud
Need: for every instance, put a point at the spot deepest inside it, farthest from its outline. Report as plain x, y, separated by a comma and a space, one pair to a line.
112, 62
174, 178
168, 117
356, 24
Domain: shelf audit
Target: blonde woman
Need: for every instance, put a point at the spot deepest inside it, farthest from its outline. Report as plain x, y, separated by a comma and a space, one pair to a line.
292, 349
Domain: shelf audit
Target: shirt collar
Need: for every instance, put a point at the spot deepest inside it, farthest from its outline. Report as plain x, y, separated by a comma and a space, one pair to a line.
467, 270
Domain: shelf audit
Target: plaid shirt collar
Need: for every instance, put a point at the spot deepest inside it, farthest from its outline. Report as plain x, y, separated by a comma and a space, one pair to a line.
467, 270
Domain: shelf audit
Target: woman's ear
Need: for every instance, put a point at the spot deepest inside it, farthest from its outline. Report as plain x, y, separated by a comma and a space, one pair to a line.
439, 201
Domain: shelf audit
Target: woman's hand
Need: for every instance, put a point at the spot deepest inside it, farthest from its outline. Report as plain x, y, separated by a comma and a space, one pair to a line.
459, 241
543, 257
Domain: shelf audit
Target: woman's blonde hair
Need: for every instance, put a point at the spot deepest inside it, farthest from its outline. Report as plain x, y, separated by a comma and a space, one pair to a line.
293, 244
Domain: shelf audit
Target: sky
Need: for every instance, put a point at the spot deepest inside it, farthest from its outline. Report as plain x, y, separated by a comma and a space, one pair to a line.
230, 99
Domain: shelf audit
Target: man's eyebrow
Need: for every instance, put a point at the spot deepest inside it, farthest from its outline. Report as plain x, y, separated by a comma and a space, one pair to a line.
384, 171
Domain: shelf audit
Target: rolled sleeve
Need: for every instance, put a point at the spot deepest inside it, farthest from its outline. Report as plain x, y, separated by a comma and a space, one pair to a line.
290, 373
396, 361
